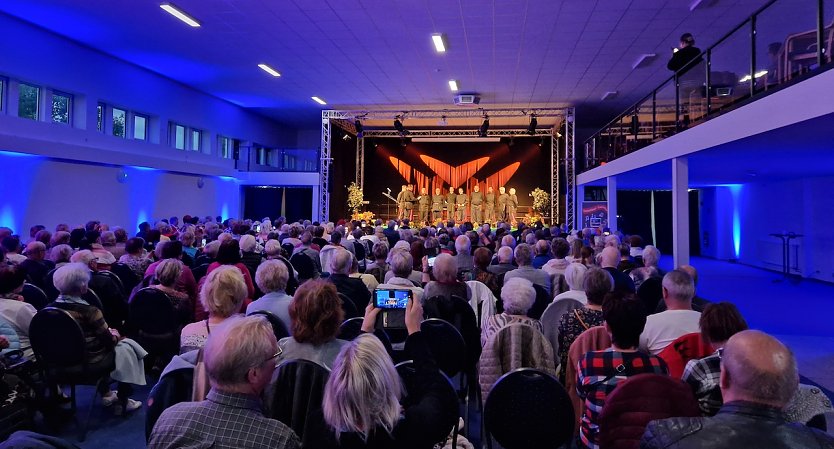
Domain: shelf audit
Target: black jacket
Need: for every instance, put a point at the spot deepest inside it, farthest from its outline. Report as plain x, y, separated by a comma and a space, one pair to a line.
353, 288
684, 56
737, 425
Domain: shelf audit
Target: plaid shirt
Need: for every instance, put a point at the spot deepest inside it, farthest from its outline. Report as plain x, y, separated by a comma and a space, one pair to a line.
222, 421
703, 376
598, 375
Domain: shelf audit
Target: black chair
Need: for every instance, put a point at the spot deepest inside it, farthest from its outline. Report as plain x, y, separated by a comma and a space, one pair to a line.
32, 294
278, 326
110, 292
92, 299
288, 248
203, 259
174, 387
60, 347
350, 309
153, 323
543, 299
116, 280
52, 293
446, 344
295, 394
304, 266
457, 312
651, 293
129, 279
528, 408
350, 328
447, 413
361, 254
199, 271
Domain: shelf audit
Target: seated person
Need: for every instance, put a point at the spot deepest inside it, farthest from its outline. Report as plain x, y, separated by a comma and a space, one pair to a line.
315, 316
12, 308
401, 266
597, 284
240, 361
524, 258
600, 371
575, 278
222, 296
272, 277
103, 342
108, 290
36, 266
340, 264
678, 319
542, 249
165, 280
758, 379
446, 282
136, 257
518, 296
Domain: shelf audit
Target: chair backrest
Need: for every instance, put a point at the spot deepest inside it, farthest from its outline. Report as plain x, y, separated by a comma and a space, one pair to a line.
52, 293
350, 329
350, 309
174, 387
638, 400
152, 312
129, 279
115, 279
514, 346
457, 311
278, 326
528, 408
57, 339
550, 320
445, 394
288, 248
361, 252
685, 348
651, 292
33, 294
446, 344
303, 264
543, 299
199, 271
92, 299
295, 394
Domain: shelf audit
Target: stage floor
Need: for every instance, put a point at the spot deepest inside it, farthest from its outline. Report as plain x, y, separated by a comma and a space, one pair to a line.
800, 315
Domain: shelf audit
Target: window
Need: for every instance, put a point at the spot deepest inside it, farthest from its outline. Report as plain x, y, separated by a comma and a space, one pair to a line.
225, 147
27, 106
178, 136
100, 117
119, 116
140, 125
61, 106
262, 156
196, 139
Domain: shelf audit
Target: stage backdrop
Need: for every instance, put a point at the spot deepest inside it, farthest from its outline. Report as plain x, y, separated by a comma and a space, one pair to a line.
524, 165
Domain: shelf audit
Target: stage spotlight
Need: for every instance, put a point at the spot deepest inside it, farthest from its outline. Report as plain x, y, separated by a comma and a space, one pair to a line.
531, 129
398, 125
482, 131
359, 129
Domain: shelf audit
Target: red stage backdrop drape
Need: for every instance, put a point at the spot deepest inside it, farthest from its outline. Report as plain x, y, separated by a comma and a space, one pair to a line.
524, 165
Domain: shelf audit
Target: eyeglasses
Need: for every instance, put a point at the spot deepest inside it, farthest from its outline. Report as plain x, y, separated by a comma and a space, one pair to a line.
720, 353
275, 356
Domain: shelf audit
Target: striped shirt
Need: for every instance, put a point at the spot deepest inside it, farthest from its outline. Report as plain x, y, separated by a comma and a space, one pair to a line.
598, 374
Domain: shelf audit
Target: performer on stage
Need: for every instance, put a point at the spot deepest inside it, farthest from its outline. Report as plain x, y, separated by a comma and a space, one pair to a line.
408, 200
450, 204
437, 205
401, 203
425, 202
502, 203
461, 202
512, 205
476, 200
490, 206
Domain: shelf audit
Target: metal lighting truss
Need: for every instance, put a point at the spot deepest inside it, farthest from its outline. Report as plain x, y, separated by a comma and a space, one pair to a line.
345, 119
570, 168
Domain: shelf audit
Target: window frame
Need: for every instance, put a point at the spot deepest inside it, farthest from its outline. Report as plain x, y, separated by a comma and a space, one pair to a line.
69, 97
147, 119
39, 91
113, 110
192, 132
172, 135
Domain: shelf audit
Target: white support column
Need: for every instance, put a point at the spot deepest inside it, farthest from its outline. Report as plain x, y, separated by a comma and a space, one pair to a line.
680, 211
580, 197
612, 203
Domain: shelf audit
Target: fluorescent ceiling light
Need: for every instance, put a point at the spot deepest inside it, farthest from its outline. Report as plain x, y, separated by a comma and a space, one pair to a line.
455, 139
642, 58
172, 10
453, 84
269, 70
318, 100
609, 94
439, 42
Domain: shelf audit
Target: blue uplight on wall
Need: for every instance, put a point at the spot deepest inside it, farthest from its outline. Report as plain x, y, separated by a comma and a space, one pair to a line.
19, 171
735, 191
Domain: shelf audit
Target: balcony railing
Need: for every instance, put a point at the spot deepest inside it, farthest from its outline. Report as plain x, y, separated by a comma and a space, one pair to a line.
783, 42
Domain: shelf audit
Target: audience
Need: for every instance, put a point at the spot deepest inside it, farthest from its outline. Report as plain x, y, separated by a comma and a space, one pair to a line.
524, 258
542, 248
678, 319
758, 378
518, 296
600, 371
12, 308
240, 361
481, 271
597, 284
446, 282
401, 265
463, 259
575, 278
504, 257
228, 254
136, 257
271, 278
609, 260
165, 279
354, 289
36, 266
221, 296
315, 316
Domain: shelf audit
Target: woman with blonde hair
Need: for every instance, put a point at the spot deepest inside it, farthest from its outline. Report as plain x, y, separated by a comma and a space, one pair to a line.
222, 296
361, 406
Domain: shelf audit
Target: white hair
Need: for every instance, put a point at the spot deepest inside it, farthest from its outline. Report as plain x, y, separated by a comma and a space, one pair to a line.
609, 257
60, 253
463, 245
272, 248
241, 344
518, 295
168, 271
508, 240
340, 261
651, 256
211, 248
364, 389
402, 263
248, 243
612, 240
72, 279
272, 276
680, 285
445, 268
85, 256
523, 254
505, 254
575, 275
224, 291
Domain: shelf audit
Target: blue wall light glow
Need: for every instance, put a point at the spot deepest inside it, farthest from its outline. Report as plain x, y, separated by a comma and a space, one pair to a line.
20, 170
735, 191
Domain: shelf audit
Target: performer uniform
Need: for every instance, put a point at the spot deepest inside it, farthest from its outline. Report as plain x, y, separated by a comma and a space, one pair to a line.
437, 207
408, 201
450, 205
503, 198
425, 201
462, 201
476, 200
490, 208
401, 204
512, 205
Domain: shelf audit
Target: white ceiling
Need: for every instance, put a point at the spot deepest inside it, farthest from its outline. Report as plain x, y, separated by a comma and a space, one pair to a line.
378, 53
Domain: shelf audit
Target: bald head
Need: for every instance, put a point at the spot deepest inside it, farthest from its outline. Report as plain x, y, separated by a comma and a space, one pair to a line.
610, 257
758, 368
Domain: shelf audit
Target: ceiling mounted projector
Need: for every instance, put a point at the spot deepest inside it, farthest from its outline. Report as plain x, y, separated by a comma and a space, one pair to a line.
467, 100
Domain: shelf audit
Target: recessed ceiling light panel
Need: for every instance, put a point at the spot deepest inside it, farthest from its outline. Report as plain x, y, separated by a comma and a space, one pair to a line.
318, 100
453, 85
179, 14
439, 41
269, 70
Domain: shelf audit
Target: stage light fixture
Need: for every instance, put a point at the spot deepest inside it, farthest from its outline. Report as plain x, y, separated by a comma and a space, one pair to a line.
439, 41
482, 131
179, 14
531, 128
360, 130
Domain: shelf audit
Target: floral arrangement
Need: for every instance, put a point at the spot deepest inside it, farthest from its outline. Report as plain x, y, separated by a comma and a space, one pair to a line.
541, 200
362, 216
355, 197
